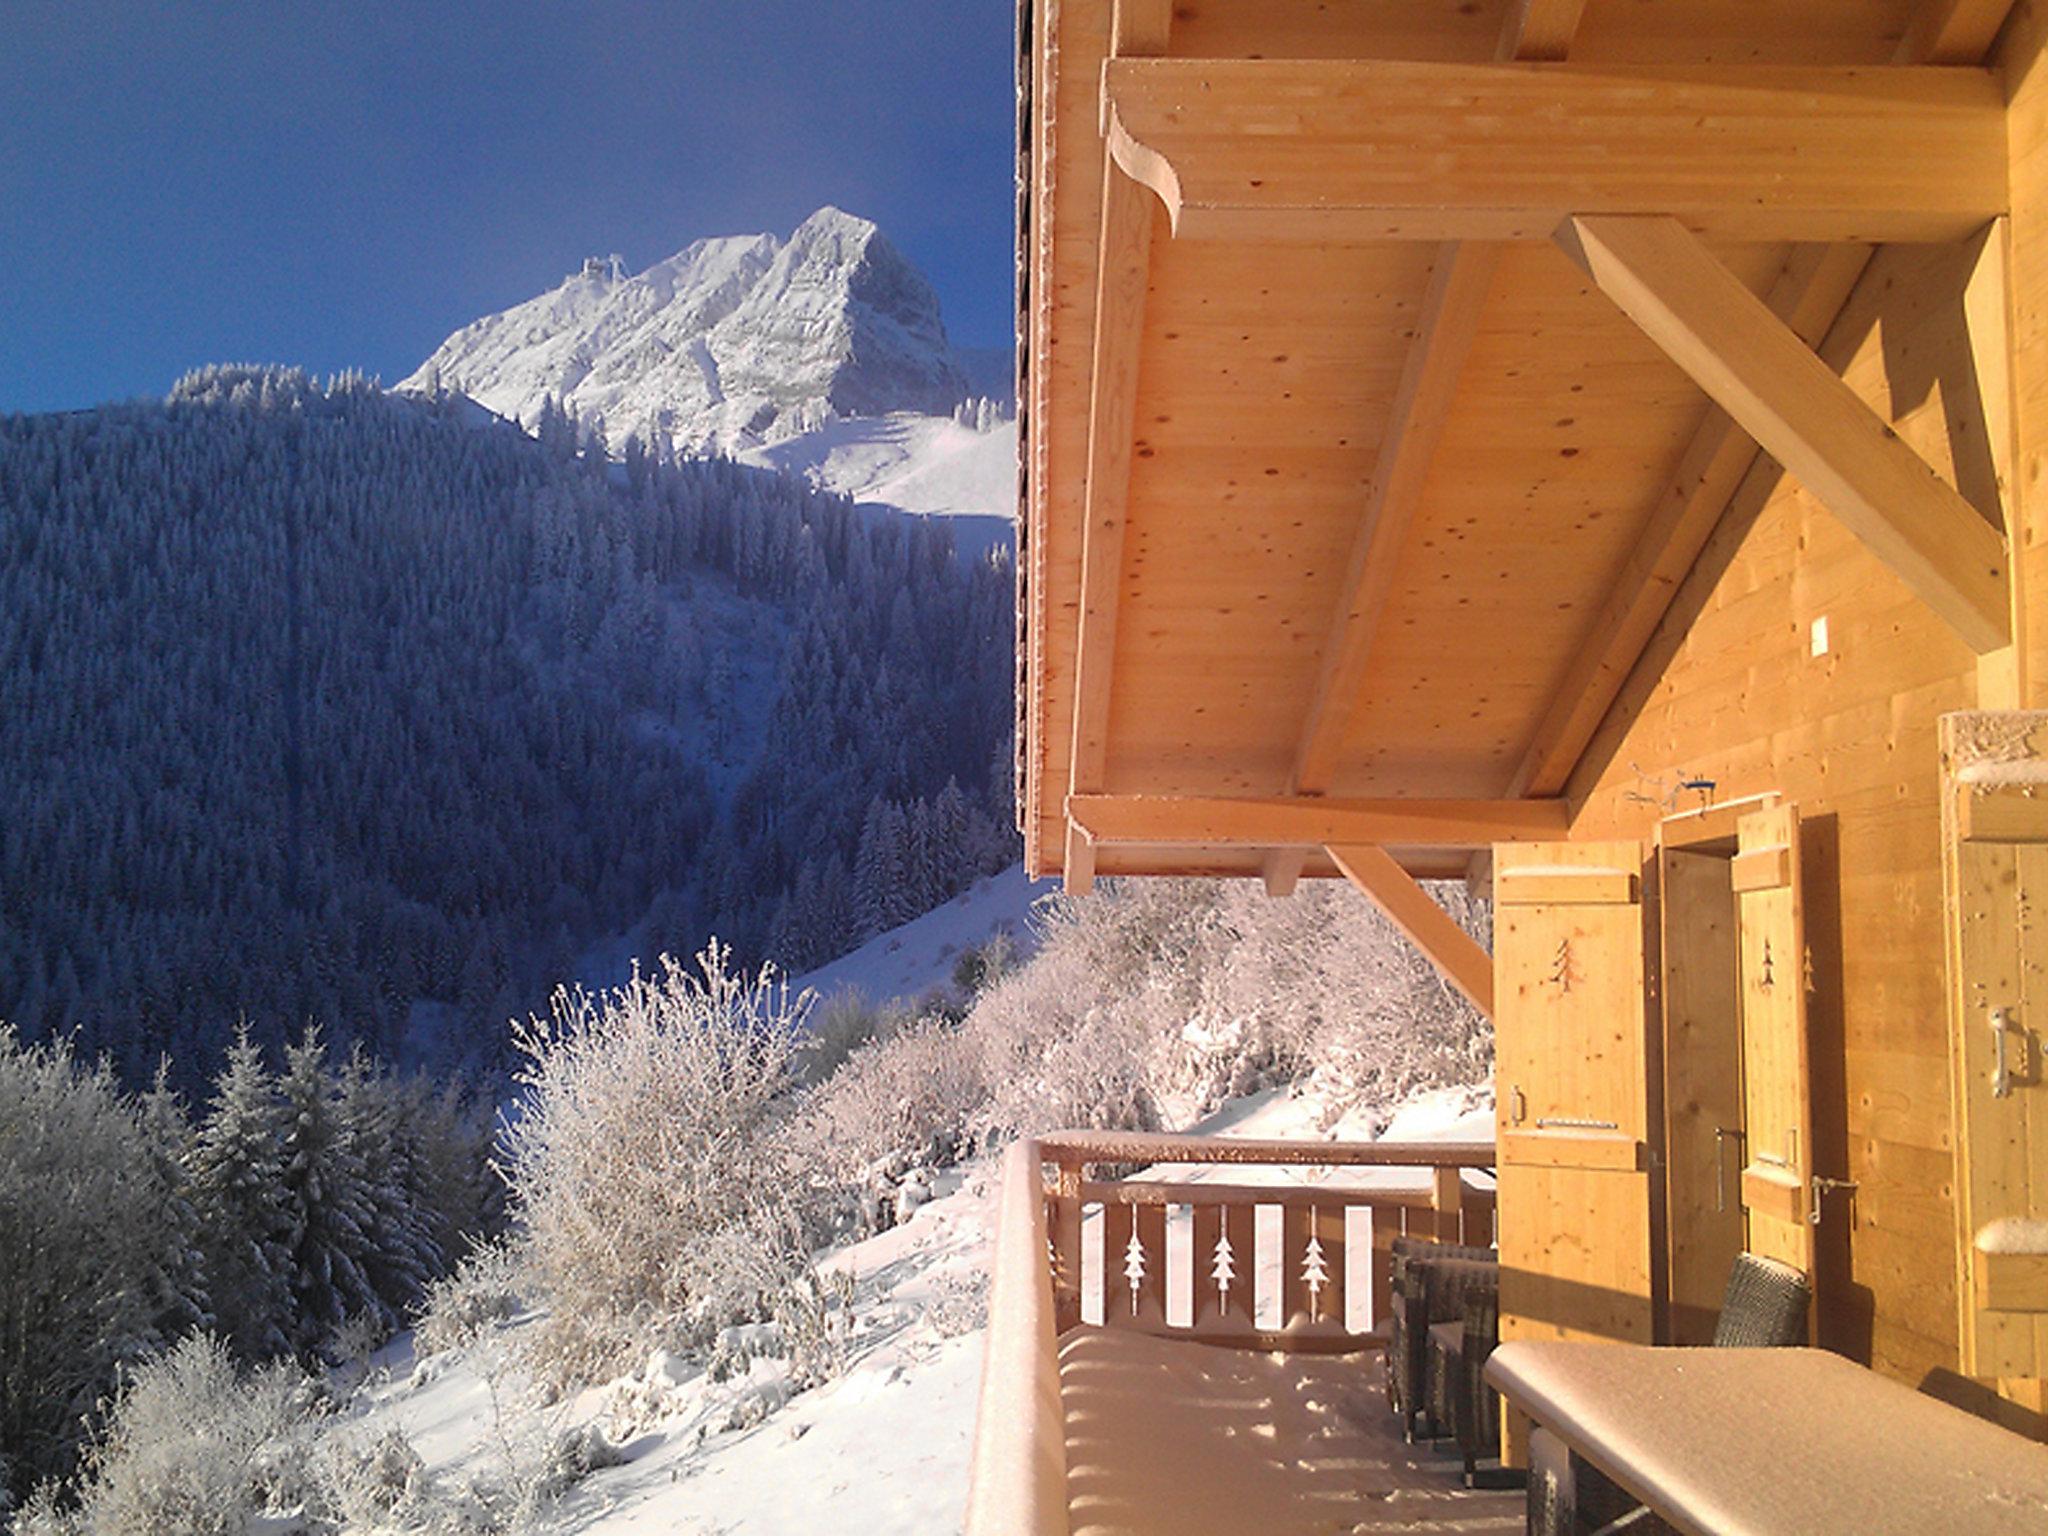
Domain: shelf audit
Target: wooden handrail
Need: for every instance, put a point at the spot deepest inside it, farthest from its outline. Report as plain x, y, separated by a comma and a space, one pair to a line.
1017, 1484
1282, 1196
1072, 1149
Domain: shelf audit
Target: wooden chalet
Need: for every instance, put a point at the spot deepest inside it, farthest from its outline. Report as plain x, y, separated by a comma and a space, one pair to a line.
1593, 448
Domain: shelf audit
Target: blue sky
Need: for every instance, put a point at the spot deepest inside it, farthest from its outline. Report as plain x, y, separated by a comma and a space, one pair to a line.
340, 184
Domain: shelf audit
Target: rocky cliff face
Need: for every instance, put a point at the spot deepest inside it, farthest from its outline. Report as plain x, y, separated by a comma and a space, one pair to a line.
728, 344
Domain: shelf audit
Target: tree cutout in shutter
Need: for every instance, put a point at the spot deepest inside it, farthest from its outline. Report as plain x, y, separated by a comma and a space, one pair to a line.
1764, 981
1562, 972
1223, 1270
1313, 1273
1134, 1267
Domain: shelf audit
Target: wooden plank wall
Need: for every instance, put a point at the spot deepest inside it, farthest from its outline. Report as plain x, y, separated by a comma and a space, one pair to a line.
1737, 689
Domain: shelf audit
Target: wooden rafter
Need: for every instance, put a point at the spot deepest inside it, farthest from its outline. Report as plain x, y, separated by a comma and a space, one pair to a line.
1802, 414
1205, 821
1123, 269
1429, 377
1535, 30
1452, 950
1378, 150
1450, 317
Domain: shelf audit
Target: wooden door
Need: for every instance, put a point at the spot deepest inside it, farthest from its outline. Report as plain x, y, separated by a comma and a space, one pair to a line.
1777, 1171
1700, 990
1572, 1074
1995, 895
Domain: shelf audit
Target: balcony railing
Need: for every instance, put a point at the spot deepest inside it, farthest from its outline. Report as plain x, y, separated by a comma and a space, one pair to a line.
1296, 1266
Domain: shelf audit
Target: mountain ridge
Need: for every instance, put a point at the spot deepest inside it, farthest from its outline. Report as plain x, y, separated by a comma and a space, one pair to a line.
733, 342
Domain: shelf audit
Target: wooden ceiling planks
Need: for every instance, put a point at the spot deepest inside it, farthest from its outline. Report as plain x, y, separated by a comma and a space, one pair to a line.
1230, 575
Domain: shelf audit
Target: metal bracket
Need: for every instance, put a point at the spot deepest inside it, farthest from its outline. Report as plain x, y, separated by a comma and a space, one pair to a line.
1821, 1186
1570, 1123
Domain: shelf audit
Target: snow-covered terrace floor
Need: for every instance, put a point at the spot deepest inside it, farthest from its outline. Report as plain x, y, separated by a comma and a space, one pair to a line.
1239, 1440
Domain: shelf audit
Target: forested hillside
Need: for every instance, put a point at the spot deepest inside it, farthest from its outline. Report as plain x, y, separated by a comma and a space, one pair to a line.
322, 704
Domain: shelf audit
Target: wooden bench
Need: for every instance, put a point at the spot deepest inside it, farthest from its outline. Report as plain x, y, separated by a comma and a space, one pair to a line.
1776, 1442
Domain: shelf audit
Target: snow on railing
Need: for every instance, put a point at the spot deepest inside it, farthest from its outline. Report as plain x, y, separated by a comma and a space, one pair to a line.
1288, 1266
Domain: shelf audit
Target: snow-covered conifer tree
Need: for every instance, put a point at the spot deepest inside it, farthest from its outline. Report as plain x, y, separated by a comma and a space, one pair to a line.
326, 1201
238, 1187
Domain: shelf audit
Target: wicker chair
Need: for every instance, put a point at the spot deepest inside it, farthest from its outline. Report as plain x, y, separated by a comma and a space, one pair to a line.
1764, 1307
1460, 1397
1437, 1292
1407, 1350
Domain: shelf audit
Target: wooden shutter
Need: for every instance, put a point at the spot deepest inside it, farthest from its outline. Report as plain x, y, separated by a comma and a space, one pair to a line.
1572, 1074
1995, 895
1777, 1172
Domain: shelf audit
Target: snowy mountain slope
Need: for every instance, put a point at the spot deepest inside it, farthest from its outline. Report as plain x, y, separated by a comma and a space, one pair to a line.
730, 342
884, 1448
909, 962
928, 466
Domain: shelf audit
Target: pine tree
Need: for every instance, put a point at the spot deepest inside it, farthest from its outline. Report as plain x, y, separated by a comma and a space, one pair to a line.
237, 1184
177, 1280
326, 1201
379, 1129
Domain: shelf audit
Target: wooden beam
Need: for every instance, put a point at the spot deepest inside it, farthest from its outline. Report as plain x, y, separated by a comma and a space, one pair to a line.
1540, 29
1428, 927
1808, 294
1383, 150
1451, 308
1122, 272
1954, 31
1202, 821
1422, 400
1802, 414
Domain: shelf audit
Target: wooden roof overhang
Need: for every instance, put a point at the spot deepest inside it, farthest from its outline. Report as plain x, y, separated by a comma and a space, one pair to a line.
1387, 365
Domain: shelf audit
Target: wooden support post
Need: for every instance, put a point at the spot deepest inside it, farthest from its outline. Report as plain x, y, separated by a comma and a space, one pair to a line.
1749, 363
1452, 950
1447, 1199
2002, 681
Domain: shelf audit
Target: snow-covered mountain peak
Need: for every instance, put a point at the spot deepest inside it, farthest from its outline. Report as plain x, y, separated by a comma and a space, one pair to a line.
729, 343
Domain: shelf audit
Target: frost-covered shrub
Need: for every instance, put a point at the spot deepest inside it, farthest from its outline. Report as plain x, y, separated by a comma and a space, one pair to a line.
1156, 999
482, 1291
959, 1303
815, 1316
898, 1102
841, 1025
644, 1142
85, 1238
193, 1448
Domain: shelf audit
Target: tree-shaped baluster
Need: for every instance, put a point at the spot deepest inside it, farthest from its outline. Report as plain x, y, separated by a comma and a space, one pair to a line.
1313, 1273
1134, 1267
1223, 1270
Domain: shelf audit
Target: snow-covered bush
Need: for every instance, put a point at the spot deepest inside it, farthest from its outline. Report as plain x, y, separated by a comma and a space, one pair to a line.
959, 1303
899, 1102
84, 1242
643, 1144
481, 1292
815, 1316
1155, 1000
194, 1448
